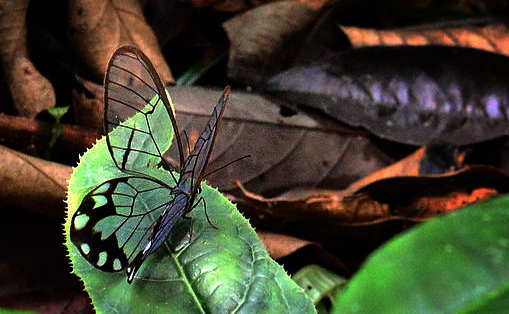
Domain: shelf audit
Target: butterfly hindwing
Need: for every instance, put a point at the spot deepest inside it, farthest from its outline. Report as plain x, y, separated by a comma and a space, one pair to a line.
115, 220
132, 86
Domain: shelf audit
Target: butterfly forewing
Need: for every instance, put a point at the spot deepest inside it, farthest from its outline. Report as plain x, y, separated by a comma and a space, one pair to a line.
114, 221
193, 170
131, 83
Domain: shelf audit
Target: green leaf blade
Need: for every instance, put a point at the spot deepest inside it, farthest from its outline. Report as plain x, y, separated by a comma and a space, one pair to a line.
319, 282
453, 264
198, 269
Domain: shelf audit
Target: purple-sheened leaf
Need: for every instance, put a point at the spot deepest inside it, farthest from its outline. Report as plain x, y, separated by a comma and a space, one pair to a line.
407, 94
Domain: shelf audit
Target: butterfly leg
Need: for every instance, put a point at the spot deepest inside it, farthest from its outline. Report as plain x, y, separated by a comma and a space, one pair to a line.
205, 210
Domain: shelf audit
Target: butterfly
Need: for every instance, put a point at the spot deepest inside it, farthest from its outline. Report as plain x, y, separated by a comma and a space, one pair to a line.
123, 220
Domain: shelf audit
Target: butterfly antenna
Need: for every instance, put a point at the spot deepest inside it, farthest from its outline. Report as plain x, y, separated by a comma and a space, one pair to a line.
224, 166
187, 142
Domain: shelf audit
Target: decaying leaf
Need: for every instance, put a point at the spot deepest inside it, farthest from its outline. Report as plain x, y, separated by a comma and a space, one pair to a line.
280, 245
32, 183
97, 29
290, 250
329, 207
492, 37
407, 94
262, 40
408, 198
88, 105
30, 91
287, 151
435, 159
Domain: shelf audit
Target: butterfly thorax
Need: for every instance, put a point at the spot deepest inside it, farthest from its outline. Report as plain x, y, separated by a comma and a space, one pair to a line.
184, 185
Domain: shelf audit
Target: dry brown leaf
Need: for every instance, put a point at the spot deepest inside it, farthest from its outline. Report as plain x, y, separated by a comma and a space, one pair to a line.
333, 207
438, 204
88, 106
424, 197
240, 5
33, 184
408, 198
304, 150
292, 250
492, 37
434, 155
98, 28
30, 91
280, 245
408, 166
264, 40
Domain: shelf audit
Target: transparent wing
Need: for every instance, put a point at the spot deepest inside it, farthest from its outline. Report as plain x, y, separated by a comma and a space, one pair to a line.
133, 86
193, 170
116, 220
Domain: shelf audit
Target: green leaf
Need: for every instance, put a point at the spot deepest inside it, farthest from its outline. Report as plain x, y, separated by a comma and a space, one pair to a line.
320, 285
58, 112
458, 263
56, 131
208, 271
318, 282
194, 73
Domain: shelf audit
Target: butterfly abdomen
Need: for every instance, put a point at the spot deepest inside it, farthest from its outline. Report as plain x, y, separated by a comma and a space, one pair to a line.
161, 230
176, 209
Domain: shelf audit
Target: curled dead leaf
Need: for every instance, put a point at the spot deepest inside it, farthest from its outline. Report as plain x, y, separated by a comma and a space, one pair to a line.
280, 245
29, 182
437, 158
408, 166
30, 91
97, 29
317, 207
492, 37
291, 250
437, 204
262, 37
88, 105
409, 198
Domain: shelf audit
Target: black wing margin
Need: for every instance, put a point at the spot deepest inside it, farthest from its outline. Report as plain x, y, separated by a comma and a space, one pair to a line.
115, 220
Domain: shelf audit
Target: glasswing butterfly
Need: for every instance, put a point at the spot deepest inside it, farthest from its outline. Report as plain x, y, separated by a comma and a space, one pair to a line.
114, 228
